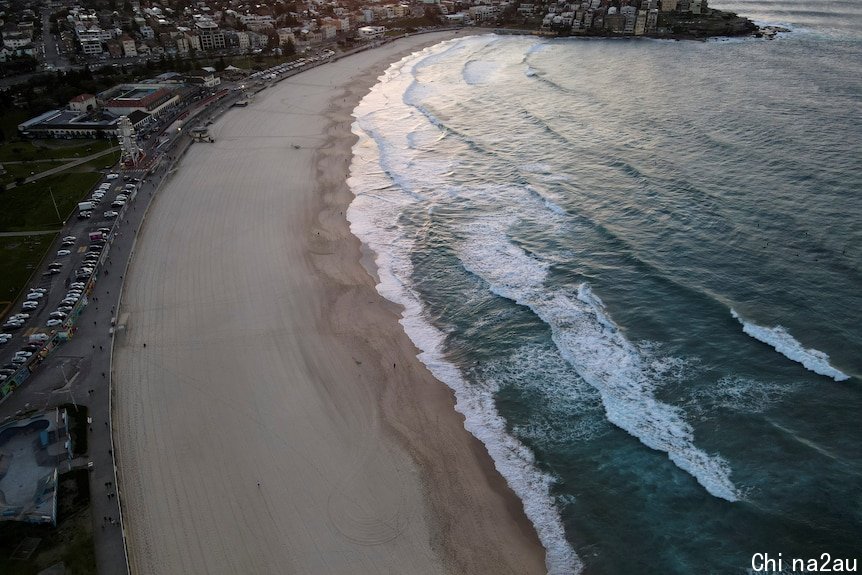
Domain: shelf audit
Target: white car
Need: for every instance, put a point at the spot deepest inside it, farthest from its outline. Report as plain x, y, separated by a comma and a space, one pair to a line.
58, 315
69, 301
30, 305
53, 322
104, 186
80, 285
23, 353
20, 316
40, 290
113, 176
69, 239
19, 360
62, 253
111, 214
65, 308
34, 295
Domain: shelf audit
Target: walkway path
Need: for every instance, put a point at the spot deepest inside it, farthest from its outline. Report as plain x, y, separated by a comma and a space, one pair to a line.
36, 233
64, 167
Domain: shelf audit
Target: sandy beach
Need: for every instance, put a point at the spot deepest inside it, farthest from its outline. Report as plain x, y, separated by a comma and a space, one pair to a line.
277, 420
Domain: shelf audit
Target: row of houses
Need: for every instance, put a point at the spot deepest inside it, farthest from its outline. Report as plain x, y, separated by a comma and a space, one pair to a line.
17, 40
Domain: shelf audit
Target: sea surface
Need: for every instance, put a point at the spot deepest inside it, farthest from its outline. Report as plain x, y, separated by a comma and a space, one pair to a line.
638, 264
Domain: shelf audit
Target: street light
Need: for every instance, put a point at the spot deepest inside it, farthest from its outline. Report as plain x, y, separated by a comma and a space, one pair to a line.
59, 219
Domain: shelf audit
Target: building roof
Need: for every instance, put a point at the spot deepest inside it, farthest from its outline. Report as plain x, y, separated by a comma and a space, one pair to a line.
137, 116
82, 98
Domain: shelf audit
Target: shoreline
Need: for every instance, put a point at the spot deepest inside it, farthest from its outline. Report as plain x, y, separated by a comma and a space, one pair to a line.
449, 510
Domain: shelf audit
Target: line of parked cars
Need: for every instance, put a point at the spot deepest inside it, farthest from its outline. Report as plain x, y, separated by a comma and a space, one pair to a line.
75, 292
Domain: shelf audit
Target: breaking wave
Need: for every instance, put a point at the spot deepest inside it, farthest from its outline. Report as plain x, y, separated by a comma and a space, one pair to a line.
785, 344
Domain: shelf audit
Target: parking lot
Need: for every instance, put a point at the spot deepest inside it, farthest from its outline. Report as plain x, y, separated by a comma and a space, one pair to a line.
45, 313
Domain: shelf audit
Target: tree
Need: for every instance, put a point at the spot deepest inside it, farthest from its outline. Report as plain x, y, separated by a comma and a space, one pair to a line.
220, 65
289, 48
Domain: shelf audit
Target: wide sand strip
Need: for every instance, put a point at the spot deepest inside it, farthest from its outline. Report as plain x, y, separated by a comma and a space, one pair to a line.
278, 420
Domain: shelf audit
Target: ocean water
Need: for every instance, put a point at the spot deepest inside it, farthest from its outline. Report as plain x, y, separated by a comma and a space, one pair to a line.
638, 264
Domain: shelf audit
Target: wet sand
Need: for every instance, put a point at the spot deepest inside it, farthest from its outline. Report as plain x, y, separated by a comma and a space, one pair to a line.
278, 420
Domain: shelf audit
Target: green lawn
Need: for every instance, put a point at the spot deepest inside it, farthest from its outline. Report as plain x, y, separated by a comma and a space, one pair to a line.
14, 171
29, 207
19, 256
44, 149
106, 162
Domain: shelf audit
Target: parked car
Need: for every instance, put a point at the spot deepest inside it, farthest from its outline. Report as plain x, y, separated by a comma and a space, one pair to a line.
20, 316
84, 215
32, 347
55, 265
40, 290
112, 176
29, 305
69, 238
23, 354
79, 285
62, 253
19, 360
65, 309
53, 322
34, 295
69, 301
68, 243
111, 214
104, 230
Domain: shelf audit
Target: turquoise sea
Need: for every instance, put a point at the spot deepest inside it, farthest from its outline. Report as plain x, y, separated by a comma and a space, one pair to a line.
638, 264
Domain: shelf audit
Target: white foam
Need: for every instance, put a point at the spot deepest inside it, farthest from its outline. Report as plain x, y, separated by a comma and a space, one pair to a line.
592, 343
738, 394
785, 344
374, 218
478, 72
567, 408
